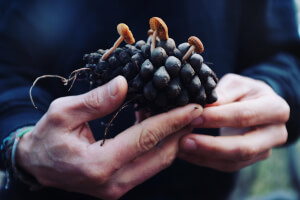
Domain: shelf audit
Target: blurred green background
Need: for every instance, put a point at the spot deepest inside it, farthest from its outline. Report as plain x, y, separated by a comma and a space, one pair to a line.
277, 178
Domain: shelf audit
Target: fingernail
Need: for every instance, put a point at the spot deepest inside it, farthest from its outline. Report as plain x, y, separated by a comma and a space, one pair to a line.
198, 121
189, 145
113, 87
197, 110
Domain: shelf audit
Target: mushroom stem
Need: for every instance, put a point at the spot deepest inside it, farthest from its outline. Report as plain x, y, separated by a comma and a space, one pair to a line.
153, 40
188, 53
116, 44
150, 33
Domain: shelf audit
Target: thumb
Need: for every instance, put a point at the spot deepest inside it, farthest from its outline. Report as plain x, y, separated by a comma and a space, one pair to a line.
75, 110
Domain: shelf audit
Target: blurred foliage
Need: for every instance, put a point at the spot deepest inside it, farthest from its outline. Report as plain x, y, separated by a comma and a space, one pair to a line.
271, 178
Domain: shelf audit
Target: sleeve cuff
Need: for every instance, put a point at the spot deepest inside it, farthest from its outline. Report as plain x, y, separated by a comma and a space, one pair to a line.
17, 118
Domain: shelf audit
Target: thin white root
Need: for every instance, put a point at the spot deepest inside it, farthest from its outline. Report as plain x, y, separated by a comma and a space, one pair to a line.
64, 80
77, 71
74, 77
113, 118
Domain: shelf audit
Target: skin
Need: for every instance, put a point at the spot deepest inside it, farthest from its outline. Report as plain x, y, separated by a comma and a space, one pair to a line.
61, 151
256, 117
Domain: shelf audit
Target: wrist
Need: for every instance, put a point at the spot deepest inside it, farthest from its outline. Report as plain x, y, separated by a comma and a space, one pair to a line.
22, 156
22, 164
9, 154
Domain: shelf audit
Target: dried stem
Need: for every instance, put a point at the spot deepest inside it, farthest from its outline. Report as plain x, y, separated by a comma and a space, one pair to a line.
64, 80
114, 117
74, 77
111, 121
77, 71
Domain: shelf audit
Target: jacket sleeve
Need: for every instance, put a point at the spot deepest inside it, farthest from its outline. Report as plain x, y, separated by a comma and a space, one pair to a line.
269, 37
22, 58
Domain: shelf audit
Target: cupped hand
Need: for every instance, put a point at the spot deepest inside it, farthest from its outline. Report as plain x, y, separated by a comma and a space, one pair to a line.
252, 119
61, 151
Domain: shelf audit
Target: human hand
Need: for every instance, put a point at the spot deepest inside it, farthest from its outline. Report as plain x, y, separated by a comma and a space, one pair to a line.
61, 151
247, 105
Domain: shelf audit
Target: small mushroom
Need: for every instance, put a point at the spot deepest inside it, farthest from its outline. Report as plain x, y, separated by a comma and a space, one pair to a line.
125, 34
150, 33
160, 29
196, 46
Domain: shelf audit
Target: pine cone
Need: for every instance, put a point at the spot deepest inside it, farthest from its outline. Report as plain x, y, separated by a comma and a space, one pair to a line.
160, 77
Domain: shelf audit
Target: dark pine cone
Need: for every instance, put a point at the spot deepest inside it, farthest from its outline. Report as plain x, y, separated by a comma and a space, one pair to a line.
159, 80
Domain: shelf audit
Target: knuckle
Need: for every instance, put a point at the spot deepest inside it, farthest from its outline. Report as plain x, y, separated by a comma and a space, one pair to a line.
262, 85
114, 191
96, 175
216, 118
178, 123
244, 118
233, 77
236, 79
283, 111
247, 153
168, 159
148, 138
56, 108
55, 105
283, 135
92, 101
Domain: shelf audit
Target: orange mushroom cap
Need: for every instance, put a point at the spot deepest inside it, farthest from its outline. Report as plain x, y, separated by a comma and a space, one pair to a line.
160, 26
124, 31
193, 40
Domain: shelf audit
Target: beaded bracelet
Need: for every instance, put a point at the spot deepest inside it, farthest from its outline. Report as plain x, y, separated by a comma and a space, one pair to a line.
8, 156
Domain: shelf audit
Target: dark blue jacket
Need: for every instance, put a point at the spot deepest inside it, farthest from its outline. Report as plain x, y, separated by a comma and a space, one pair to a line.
258, 39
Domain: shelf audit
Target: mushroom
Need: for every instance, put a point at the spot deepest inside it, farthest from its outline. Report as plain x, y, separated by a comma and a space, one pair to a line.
196, 46
160, 29
125, 34
150, 33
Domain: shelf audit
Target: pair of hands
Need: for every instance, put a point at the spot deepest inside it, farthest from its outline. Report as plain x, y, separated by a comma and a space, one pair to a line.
62, 152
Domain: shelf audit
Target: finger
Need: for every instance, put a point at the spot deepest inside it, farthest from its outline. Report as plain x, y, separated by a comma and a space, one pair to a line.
233, 87
244, 114
238, 147
222, 164
150, 163
230, 88
141, 115
144, 136
226, 131
75, 110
